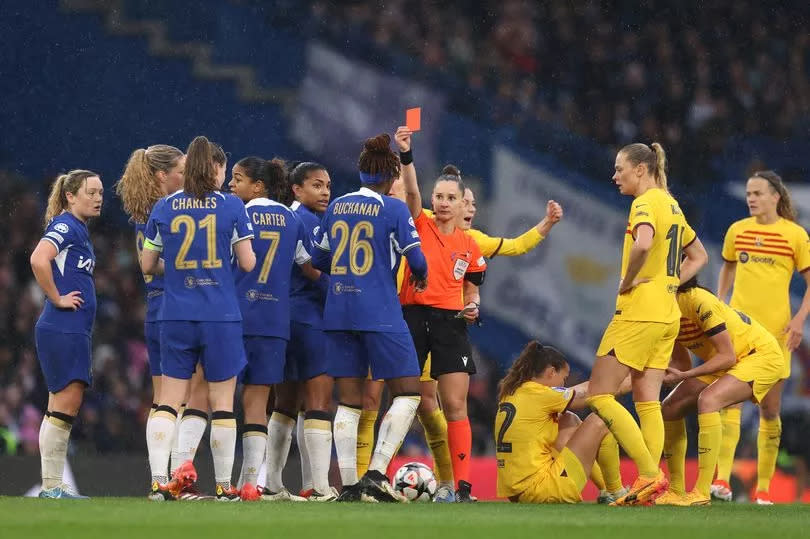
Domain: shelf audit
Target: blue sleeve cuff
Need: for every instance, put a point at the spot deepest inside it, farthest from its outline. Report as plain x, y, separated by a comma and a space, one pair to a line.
417, 262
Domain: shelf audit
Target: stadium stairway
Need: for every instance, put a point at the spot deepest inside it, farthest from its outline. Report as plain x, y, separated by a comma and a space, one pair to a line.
161, 45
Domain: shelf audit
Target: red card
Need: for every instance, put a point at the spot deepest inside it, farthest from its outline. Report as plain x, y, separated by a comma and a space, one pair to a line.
413, 119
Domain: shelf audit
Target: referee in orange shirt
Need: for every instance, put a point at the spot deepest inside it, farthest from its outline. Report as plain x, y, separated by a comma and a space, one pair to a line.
438, 316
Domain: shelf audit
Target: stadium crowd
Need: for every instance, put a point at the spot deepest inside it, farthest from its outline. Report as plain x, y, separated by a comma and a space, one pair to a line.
613, 72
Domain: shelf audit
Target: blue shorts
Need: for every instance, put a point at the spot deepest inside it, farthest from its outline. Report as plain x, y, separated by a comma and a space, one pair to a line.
266, 360
151, 331
306, 352
389, 355
64, 358
217, 346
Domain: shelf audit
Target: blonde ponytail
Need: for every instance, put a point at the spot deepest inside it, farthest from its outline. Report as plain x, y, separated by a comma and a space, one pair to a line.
660, 165
653, 156
139, 188
57, 201
66, 183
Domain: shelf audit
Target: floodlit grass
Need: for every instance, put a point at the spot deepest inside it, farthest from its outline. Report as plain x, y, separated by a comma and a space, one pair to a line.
121, 518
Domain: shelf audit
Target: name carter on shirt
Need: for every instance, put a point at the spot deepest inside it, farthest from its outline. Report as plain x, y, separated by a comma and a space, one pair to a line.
269, 219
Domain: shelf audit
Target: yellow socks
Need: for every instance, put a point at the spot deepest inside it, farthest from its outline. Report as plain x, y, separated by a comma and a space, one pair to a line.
608, 459
709, 438
731, 436
675, 453
597, 477
652, 427
770, 433
365, 440
627, 433
435, 426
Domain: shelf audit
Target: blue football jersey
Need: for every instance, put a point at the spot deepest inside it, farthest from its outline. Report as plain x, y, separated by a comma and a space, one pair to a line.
153, 283
280, 243
196, 238
366, 234
306, 297
72, 270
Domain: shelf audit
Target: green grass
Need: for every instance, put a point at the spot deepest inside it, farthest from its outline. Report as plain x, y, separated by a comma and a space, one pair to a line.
121, 518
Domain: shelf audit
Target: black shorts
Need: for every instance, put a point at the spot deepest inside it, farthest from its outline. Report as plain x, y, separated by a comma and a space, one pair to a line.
440, 333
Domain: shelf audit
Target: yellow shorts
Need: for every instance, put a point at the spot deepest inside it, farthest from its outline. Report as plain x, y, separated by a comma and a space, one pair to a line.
562, 482
786, 354
423, 377
639, 345
763, 369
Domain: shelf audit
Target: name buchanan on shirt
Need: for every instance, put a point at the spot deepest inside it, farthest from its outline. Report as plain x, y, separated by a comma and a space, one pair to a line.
357, 208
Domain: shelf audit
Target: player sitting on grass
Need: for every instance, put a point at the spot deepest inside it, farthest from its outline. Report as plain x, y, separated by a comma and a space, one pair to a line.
543, 449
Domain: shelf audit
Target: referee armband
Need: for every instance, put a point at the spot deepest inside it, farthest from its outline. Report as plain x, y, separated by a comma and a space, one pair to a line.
476, 278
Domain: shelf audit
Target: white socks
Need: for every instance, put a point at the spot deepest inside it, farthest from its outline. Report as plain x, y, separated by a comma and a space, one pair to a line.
347, 418
254, 442
279, 438
223, 445
318, 434
303, 451
189, 432
159, 434
53, 444
394, 427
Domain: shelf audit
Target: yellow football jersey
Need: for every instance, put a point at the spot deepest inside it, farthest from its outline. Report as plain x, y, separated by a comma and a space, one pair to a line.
704, 315
766, 256
491, 246
526, 428
654, 301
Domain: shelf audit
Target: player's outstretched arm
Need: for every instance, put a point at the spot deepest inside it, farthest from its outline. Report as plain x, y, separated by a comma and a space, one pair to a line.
496, 246
413, 197
582, 393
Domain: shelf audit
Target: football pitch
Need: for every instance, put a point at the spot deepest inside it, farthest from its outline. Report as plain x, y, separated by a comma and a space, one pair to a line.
123, 518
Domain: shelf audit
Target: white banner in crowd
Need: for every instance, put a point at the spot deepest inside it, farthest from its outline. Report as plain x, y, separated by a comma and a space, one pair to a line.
342, 102
564, 292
